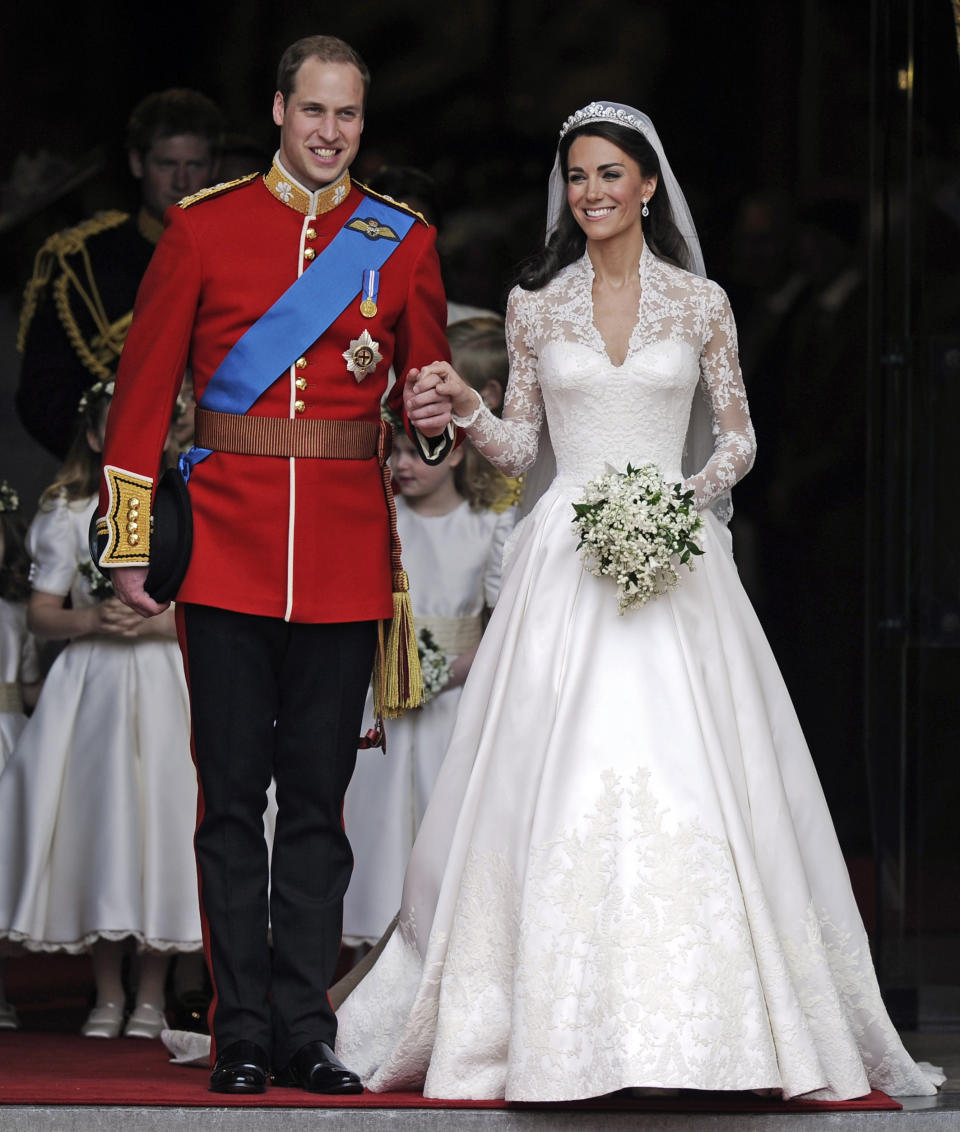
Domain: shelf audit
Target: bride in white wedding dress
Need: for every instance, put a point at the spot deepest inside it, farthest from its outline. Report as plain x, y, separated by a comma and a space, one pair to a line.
627, 875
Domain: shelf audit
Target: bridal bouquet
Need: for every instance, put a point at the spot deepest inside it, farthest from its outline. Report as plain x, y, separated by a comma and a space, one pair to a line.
638, 530
433, 664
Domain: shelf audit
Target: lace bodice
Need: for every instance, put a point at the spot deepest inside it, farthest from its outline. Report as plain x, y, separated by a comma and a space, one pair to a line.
599, 413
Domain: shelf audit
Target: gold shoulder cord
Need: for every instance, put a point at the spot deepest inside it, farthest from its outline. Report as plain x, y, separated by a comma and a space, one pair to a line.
396, 203
216, 190
109, 338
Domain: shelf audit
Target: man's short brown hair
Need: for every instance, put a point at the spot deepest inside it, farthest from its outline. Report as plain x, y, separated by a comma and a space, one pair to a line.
167, 113
326, 48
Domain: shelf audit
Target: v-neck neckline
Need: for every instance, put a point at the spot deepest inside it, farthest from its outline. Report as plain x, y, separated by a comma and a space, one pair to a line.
599, 342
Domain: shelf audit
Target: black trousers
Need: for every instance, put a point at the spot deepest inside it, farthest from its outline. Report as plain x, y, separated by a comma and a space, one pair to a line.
272, 698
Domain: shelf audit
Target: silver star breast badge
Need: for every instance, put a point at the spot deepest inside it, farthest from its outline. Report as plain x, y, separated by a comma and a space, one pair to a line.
362, 356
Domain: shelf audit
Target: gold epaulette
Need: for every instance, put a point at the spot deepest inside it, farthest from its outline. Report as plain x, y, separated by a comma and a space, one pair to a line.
54, 251
396, 203
217, 190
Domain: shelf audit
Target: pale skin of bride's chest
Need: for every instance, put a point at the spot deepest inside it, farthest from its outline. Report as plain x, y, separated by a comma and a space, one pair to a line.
615, 312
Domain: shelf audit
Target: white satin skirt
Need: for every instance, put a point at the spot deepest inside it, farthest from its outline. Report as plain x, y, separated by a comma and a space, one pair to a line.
98, 805
627, 875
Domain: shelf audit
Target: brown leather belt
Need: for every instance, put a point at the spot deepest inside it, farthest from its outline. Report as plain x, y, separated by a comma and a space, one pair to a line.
303, 438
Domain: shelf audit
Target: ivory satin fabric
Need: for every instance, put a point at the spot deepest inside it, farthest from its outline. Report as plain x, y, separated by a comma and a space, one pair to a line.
627, 875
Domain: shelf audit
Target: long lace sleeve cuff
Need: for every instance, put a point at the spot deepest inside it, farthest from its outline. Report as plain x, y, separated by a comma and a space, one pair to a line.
735, 443
510, 443
470, 418
732, 458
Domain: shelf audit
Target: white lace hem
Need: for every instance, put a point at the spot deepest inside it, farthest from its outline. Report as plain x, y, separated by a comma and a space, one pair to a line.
79, 946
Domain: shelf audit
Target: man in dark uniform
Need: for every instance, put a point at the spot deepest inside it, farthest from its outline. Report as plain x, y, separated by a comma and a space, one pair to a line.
78, 305
290, 295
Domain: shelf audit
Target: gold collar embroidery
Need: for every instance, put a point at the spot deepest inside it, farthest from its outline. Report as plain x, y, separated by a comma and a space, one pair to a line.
294, 195
149, 226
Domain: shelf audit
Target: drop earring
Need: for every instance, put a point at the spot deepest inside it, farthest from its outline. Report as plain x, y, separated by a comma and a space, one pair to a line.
644, 211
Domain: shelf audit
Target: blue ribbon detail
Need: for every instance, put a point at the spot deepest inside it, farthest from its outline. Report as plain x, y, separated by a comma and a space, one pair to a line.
302, 314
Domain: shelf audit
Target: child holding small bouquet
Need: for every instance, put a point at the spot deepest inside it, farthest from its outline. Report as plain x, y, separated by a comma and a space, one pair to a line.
98, 799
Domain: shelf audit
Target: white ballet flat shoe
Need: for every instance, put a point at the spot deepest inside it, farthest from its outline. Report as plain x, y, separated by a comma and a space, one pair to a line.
8, 1017
147, 1021
103, 1021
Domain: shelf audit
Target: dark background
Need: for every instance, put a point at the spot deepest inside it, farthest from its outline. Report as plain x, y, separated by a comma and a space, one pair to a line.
846, 115
745, 94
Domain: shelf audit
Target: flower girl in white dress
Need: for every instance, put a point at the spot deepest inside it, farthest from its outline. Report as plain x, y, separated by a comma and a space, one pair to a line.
452, 545
98, 799
627, 876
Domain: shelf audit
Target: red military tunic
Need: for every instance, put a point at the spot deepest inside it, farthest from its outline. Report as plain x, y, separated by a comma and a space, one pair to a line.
302, 539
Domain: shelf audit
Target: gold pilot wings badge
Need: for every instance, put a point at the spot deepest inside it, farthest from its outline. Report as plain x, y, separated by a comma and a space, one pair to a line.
373, 229
362, 356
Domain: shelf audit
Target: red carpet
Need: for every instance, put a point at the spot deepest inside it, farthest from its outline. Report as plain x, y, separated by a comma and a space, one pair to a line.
65, 1069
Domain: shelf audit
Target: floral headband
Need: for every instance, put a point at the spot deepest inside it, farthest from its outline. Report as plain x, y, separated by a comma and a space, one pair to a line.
387, 414
9, 499
97, 390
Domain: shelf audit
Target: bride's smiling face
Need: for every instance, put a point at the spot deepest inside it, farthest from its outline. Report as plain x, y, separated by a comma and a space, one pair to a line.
606, 188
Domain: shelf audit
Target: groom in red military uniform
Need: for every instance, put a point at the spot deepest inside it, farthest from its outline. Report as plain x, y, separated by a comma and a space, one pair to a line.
290, 296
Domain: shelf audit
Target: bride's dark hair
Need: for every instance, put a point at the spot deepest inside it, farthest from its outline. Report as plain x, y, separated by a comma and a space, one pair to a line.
568, 240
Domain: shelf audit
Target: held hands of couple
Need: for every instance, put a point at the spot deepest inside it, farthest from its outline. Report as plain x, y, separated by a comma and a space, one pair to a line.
431, 395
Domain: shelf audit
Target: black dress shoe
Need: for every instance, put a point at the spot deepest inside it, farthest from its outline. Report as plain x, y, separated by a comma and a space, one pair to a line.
241, 1067
316, 1068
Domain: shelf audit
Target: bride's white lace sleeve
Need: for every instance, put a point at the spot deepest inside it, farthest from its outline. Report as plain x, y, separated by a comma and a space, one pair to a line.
734, 442
510, 443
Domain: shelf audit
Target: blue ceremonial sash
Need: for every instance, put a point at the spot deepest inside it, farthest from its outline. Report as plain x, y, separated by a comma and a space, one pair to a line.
302, 313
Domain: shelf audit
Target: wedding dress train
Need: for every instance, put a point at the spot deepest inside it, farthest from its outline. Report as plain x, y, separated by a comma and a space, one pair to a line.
627, 875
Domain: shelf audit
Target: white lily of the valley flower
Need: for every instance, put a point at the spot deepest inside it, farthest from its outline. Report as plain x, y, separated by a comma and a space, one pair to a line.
637, 530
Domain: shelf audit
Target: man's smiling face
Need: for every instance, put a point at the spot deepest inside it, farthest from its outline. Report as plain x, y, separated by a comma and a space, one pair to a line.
321, 122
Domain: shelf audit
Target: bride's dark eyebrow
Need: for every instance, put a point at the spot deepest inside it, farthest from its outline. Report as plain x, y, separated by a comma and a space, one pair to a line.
600, 168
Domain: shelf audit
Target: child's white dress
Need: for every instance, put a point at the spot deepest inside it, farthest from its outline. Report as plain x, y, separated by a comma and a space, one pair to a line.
453, 563
98, 800
19, 663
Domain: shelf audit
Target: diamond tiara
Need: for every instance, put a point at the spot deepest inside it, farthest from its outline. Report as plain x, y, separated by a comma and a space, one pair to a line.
601, 112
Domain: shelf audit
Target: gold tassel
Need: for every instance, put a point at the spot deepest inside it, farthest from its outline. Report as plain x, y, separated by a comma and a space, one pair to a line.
398, 681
